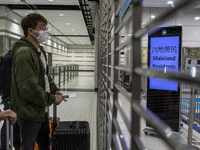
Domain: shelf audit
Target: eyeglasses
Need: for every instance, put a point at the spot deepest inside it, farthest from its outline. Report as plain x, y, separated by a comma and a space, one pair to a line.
43, 27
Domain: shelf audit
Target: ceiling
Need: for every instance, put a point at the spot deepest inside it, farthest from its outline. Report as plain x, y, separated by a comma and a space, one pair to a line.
66, 20
164, 3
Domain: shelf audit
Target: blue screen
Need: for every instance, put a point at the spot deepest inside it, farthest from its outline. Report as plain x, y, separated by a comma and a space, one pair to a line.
164, 55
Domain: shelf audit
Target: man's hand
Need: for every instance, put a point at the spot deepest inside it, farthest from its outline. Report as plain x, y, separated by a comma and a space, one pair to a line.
59, 99
58, 93
8, 114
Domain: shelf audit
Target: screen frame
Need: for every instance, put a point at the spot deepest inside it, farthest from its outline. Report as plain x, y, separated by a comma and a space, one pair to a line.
165, 32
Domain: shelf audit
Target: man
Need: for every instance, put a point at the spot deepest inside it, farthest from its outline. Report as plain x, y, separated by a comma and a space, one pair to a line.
5, 74
32, 90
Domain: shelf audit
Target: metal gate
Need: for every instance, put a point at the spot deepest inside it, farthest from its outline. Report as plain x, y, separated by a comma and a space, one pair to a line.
119, 107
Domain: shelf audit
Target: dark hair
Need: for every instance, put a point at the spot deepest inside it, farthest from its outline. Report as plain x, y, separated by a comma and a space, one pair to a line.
31, 21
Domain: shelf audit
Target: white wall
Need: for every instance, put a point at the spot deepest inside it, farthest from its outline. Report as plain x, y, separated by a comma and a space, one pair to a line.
84, 56
9, 23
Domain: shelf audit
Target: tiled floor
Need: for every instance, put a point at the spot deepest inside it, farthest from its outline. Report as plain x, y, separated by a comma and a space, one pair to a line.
81, 108
84, 107
153, 141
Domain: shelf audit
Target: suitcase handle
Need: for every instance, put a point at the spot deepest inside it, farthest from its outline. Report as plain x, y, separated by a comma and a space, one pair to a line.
9, 134
74, 125
54, 116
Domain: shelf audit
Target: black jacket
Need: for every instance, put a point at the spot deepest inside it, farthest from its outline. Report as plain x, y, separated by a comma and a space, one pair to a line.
6, 68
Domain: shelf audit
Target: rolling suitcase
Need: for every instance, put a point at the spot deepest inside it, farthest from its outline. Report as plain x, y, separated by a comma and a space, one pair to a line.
71, 135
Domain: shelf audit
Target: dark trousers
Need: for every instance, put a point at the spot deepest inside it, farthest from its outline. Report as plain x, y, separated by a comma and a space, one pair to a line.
32, 132
43, 138
16, 136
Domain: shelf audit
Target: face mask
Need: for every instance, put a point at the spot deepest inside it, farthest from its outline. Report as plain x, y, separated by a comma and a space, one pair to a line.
42, 37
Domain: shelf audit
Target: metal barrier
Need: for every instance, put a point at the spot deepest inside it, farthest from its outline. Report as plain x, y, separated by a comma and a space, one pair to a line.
190, 108
61, 74
110, 110
187, 99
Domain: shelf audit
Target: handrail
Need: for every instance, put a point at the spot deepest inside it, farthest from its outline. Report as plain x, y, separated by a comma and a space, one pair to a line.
61, 74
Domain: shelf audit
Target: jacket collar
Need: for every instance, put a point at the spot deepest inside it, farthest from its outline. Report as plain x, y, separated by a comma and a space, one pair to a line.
24, 41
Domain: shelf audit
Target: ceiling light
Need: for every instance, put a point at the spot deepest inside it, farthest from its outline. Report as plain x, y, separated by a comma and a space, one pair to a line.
152, 16
72, 30
197, 18
61, 15
68, 24
170, 2
50, 0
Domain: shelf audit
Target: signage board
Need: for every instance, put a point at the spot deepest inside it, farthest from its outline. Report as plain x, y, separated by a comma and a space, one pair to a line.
164, 54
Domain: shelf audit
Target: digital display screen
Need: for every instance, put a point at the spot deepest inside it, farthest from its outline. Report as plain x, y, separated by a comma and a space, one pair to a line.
164, 55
